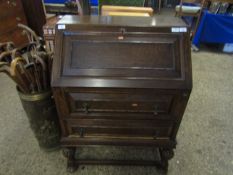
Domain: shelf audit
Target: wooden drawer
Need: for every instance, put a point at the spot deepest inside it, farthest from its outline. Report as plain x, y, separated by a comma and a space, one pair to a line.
119, 141
16, 36
10, 22
11, 14
119, 102
121, 116
119, 128
10, 7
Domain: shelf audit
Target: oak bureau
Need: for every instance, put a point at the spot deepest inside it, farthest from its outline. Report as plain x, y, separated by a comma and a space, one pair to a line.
121, 81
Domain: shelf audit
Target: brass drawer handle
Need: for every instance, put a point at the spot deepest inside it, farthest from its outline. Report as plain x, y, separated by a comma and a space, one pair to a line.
155, 135
81, 132
156, 110
86, 107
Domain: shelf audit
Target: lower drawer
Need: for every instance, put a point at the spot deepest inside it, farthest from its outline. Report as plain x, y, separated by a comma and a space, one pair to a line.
121, 116
119, 128
127, 141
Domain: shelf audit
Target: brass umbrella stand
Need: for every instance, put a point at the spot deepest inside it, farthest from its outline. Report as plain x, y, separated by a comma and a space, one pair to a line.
31, 71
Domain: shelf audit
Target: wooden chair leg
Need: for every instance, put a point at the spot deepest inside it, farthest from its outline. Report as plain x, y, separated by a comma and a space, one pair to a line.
199, 16
197, 23
165, 155
145, 3
160, 2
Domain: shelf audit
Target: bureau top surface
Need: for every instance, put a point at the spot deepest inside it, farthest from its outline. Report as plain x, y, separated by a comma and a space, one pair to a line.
156, 21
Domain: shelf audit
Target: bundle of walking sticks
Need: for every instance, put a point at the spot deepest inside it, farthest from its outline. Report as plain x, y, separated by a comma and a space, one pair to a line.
29, 67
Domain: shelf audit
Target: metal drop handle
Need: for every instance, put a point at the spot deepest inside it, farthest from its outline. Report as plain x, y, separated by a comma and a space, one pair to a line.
86, 107
156, 109
81, 132
155, 135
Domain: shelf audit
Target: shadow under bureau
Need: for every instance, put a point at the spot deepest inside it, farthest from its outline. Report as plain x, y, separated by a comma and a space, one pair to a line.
121, 81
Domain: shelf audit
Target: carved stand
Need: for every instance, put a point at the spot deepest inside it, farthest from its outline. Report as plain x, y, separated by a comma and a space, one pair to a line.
73, 163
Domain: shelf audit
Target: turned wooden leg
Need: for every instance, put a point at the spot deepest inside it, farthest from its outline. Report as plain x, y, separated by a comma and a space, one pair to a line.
165, 155
69, 153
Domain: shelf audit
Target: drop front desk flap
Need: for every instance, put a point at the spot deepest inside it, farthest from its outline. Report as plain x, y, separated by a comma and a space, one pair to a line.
121, 80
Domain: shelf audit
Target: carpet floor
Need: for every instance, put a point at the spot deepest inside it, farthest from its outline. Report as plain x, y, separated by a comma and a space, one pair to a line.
205, 138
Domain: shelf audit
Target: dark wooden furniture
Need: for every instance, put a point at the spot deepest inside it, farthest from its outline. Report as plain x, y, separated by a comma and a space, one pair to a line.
11, 14
195, 11
49, 32
121, 81
60, 9
35, 14
83, 8
28, 12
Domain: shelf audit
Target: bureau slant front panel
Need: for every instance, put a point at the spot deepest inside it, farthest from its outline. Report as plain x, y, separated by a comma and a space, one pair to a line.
103, 54
109, 56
